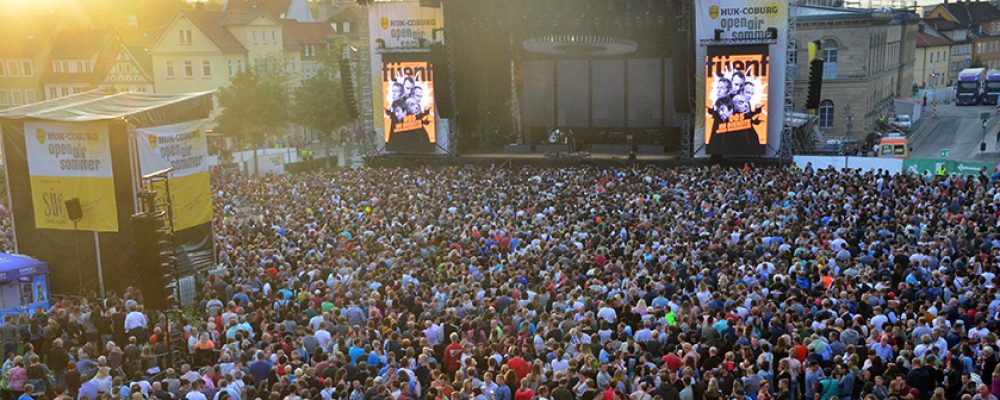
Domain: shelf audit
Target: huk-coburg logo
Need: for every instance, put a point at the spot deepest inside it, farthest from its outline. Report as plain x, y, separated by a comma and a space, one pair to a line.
384, 22
152, 141
40, 135
713, 12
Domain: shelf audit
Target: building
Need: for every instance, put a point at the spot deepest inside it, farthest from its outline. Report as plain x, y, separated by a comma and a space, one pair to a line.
201, 50
87, 59
311, 40
297, 10
870, 56
981, 20
933, 58
28, 42
962, 41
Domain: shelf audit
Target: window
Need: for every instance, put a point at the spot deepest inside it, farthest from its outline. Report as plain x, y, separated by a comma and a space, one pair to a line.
347, 27
274, 36
12, 68
206, 69
188, 69
64, 90
56, 66
185, 37
4, 97
793, 54
230, 63
255, 36
3, 69
53, 93
239, 65
170, 69
16, 98
310, 50
29, 96
826, 114
830, 50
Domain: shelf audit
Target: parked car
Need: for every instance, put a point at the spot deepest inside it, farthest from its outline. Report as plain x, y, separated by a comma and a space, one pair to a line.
903, 122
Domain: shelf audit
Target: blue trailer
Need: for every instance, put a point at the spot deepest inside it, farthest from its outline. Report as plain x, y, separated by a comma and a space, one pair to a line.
24, 284
992, 89
969, 90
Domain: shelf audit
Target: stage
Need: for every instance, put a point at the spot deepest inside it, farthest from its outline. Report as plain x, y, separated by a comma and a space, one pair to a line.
550, 160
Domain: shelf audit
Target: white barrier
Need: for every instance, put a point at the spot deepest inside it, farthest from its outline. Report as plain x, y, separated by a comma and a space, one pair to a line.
892, 165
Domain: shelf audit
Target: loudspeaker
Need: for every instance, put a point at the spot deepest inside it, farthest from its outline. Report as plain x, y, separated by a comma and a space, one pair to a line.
442, 81
347, 89
73, 210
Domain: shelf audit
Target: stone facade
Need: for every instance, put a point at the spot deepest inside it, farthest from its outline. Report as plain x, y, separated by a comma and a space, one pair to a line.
873, 56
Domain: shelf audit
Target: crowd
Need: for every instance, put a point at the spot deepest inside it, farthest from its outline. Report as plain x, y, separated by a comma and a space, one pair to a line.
559, 284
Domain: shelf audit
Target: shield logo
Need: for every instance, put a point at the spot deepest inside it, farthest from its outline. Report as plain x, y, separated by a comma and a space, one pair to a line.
40, 135
152, 141
713, 12
384, 22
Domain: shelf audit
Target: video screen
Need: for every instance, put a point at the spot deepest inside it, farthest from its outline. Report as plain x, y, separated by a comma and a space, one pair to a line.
736, 80
408, 106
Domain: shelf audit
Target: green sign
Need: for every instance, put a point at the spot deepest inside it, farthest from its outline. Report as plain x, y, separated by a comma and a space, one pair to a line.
945, 152
919, 166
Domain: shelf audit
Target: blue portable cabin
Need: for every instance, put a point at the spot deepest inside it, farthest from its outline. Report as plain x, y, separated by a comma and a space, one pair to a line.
24, 284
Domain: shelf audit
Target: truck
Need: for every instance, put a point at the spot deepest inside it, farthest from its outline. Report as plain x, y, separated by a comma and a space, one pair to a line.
992, 90
969, 90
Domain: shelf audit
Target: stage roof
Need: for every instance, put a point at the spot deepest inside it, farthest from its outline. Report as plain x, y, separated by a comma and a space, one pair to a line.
139, 109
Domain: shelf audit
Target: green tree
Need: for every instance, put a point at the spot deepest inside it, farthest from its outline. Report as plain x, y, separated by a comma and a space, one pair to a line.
255, 104
977, 63
319, 103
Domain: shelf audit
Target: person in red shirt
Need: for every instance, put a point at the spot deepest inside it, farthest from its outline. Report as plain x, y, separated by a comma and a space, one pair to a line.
518, 364
453, 355
525, 392
673, 362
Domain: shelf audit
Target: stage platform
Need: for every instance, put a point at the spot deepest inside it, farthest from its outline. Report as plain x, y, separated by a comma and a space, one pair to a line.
550, 160
521, 159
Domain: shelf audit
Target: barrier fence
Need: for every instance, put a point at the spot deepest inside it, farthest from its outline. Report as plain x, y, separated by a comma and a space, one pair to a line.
895, 165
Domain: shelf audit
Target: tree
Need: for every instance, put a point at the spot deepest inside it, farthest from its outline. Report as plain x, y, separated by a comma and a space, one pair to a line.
255, 104
977, 63
319, 103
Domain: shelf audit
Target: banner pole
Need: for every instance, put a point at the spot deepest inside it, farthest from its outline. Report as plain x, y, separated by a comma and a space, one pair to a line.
100, 269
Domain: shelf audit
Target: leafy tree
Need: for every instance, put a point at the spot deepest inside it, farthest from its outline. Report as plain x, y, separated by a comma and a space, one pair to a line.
255, 104
319, 103
977, 63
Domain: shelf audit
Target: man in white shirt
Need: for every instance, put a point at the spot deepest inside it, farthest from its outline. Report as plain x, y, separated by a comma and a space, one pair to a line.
607, 313
195, 393
135, 324
323, 337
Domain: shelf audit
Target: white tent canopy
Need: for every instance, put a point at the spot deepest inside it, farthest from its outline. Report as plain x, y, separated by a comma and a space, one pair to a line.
96, 105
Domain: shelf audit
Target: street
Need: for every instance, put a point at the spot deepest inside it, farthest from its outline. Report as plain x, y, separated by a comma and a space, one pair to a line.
959, 131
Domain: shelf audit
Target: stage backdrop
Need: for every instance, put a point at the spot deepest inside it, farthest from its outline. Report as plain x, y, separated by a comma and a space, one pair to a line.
742, 23
397, 30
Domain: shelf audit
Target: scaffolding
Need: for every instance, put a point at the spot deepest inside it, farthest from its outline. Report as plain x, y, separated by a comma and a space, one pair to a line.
785, 149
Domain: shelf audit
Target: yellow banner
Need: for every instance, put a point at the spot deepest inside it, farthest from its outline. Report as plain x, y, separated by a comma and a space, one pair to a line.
97, 200
71, 161
192, 200
183, 148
